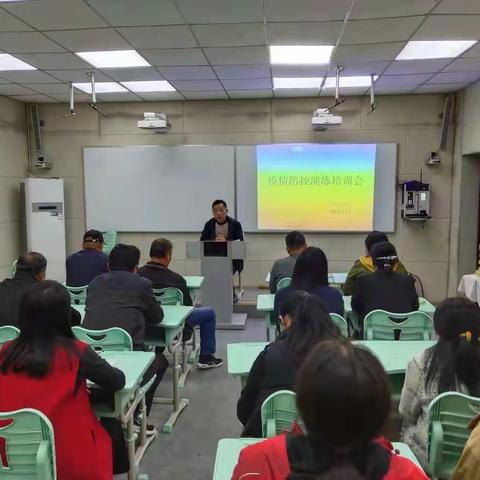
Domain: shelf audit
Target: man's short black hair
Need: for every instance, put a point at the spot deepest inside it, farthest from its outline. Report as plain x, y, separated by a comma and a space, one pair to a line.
31, 262
295, 239
93, 236
160, 248
124, 257
219, 202
373, 238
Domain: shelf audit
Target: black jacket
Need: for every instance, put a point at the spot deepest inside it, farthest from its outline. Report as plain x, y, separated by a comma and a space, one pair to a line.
235, 232
274, 369
125, 300
393, 292
162, 277
11, 291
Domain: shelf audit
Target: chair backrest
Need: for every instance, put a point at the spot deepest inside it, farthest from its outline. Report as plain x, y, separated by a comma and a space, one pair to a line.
279, 412
8, 333
168, 296
341, 323
109, 240
284, 282
111, 339
448, 417
382, 325
78, 295
27, 446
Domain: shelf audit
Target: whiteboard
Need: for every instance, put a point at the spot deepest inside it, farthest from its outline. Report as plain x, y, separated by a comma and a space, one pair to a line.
155, 188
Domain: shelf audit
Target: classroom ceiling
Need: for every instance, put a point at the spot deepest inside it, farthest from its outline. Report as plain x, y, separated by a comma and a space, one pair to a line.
218, 49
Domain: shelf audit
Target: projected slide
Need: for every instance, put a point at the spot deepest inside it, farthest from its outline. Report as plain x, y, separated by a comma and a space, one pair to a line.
316, 186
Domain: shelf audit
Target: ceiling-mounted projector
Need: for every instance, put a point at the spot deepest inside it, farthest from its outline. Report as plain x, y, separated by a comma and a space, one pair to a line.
322, 118
155, 121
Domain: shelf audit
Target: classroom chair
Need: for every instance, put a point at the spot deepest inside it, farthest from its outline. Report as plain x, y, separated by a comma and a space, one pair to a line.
168, 296
28, 449
341, 323
279, 412
78, 295
448, 417
382, 325
284, 282
111, 339
7, 333
109, 240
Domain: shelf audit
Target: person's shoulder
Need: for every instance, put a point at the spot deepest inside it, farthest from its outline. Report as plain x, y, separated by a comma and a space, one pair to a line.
275, 445
402, 468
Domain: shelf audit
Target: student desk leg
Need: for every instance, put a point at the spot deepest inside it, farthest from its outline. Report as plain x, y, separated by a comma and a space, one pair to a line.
192, 358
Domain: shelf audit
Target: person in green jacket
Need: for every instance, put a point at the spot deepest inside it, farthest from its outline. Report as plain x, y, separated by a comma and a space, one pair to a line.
365, 263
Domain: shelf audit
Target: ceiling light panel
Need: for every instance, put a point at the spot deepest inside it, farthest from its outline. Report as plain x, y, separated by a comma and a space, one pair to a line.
296, 82
419, 50
114, 59
100, 87
149, 86
300, 54
349, 82
11, 63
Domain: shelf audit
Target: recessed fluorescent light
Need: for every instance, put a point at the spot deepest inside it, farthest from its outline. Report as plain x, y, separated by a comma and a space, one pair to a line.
100, 87
9, 62
300, 54
299, 82
345, 82
114, 59
149, 86
420, 50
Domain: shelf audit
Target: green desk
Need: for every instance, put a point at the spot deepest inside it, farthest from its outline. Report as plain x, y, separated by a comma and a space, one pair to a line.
168, 334
229, 450
240, 358
194, 283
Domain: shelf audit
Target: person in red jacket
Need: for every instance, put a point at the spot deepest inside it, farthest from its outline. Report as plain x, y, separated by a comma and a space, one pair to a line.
344, 400
46, 369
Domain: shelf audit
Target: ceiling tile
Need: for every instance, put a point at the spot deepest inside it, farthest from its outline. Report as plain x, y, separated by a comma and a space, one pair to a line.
197, 85
299, 70
473, 52
345, 92
51, 61
237, 55
28, 76
459, 77
89, 40
14, 90
221, 11
214, 95
449, 27
416, 66
33, 98
305, 10
250, 93
391, 8
370, 51
178, 36
175, 56
458, 6
315, 33
402, 80
27, 42
77, 75
133, 74
362, 68
242, 71
187, 73
49, 88
230, 35
380, 30
121, 13
160, 96
296, 92
118, 97
394, 89
65, 98
56, 14
441, 88
248, 84
464, 65
8, 23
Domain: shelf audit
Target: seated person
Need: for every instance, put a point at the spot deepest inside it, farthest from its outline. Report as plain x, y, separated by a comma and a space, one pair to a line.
46, 369
120, 298
276, 367
343, 398
469, 463
384, 289
452, 365
283, 268
157, 271
31, 268
88, 263
311, 274
365, 264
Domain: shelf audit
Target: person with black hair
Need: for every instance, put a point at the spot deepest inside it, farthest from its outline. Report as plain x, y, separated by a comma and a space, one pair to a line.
275, 368
365, 264
86, 264
295, 244
47, 369
30, 269
451, 365
343, 398
385, 288
311, 275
